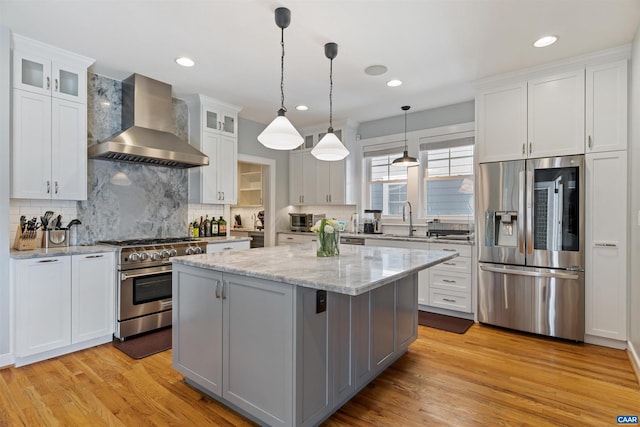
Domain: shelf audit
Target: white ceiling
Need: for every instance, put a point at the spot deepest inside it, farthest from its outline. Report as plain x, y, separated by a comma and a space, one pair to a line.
437, 47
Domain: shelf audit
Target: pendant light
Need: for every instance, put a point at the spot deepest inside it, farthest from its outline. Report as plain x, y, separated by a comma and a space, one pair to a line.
405, 160
280, 134
330, 148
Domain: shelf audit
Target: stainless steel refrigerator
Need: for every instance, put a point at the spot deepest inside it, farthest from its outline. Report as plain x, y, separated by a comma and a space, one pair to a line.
530, 233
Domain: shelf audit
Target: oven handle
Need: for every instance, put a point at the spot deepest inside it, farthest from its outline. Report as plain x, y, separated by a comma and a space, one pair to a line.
145, 272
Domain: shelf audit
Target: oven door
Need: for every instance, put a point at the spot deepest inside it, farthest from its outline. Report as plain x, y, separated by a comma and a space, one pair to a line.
144, 291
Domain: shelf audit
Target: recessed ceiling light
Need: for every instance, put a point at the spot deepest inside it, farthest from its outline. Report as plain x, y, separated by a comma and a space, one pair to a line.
375, 70
394, 83
302, 108
545, 41
185, 62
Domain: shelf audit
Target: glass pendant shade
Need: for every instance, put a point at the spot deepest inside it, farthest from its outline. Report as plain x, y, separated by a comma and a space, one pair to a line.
330, 148
280, 135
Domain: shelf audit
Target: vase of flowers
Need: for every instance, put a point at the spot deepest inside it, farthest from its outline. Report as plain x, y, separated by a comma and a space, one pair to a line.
328, 242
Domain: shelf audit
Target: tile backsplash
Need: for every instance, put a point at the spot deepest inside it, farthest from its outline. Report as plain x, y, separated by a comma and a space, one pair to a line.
37, 208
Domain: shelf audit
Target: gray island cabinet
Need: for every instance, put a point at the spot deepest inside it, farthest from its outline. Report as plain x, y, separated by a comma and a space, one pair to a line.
285, 337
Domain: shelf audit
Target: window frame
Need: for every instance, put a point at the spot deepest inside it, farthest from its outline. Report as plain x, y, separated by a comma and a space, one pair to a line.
367, 165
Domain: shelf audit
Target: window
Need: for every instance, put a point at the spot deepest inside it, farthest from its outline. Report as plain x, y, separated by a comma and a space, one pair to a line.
447, 178
387, 184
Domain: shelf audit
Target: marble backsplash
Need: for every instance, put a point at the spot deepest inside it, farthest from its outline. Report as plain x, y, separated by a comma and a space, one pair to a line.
127, 200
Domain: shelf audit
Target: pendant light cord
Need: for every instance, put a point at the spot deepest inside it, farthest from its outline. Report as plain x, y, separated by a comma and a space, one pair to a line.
282, 71
405, 130
331, 96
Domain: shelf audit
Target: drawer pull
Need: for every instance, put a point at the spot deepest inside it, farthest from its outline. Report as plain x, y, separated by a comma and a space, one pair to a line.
449, 263
448, 281
50, 260
94, 256
606, 245
226, 249
448, 300
449, 250
289, 238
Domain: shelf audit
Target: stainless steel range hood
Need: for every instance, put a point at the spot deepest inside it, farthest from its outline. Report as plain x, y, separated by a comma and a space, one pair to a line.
147, 119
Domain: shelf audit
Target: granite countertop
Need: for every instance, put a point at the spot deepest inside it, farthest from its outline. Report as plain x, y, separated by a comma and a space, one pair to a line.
415, 238
65, 251
357, 270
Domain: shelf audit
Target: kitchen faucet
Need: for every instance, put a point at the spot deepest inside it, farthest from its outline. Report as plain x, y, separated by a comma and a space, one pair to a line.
411, 230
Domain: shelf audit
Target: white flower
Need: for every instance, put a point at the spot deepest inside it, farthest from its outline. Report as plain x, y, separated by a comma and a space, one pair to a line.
328, 228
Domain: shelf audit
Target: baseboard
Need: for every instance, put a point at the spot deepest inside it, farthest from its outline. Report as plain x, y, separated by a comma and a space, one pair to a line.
6, 360
21, 361
446, 312
634, 357
605, 342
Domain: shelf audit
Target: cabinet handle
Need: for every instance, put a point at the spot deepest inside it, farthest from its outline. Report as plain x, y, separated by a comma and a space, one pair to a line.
449, 263
606, 245
523, 149
56, 86
48, 83
448, 300
589, 141
448, 281
329, 197
48, 187
226, 249
449, 250
49, 260
217, 288
530, 147
223, 295
94, 256
56, 186
219, 125
223, 195
289, 238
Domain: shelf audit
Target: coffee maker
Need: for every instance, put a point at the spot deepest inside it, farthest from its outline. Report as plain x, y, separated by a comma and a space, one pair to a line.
372, 219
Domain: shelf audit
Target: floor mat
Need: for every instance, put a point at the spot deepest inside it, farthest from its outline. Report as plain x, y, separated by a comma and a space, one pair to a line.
446, 323
145, 345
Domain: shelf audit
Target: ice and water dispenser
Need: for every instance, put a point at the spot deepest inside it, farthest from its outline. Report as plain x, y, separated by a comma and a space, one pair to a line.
501, 228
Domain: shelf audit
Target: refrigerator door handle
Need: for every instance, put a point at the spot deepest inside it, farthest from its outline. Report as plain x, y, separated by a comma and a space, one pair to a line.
521, 217
557, 275
529, 213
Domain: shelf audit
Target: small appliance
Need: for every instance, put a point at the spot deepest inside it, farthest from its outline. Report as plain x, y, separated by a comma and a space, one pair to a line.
304, 221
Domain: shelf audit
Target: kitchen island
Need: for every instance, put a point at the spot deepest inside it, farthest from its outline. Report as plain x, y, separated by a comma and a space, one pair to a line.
286, 337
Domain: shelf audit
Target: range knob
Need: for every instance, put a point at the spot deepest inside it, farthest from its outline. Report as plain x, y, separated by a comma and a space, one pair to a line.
189, 251
197, 250
144, 256
165, 254
134, 256
173, 252
155, 256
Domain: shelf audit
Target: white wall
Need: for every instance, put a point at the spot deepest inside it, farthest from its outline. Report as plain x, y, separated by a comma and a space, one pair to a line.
5, 324
634, 205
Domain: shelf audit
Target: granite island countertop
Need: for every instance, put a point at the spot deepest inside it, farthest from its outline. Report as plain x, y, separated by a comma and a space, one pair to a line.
357, 270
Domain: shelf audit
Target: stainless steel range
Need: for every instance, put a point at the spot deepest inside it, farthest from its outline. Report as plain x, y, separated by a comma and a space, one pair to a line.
144, 289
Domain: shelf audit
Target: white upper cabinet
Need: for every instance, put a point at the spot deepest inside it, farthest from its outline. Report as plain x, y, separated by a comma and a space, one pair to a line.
47, 70
49, 122
556, 115
541, 117
213, 130
606, 112
331, 182
566, 112
502, 123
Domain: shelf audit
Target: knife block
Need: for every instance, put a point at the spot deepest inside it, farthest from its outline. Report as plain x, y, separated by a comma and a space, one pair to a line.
25, 241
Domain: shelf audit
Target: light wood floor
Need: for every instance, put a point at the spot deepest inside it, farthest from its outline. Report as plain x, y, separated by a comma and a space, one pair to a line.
485, 377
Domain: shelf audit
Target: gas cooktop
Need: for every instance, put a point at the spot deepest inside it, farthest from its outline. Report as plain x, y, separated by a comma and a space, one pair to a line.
148, 241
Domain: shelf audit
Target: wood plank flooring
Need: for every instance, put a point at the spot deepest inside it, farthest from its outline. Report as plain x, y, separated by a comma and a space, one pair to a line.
486, 377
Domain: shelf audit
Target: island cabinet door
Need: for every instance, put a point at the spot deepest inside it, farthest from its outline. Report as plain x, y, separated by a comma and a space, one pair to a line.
197, 326
258, 348
383, 341
362, 338
406, 311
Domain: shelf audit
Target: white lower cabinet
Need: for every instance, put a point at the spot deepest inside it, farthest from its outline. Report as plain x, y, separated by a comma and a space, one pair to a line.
295, 239
43, 304
449, 285
227, 246
92, 296
62, 304
606, 247
265, 348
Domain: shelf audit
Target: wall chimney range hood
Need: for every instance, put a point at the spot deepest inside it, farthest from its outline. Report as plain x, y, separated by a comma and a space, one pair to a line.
147, 119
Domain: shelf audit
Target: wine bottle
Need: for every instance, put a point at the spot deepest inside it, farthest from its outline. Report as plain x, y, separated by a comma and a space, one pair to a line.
222, 227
